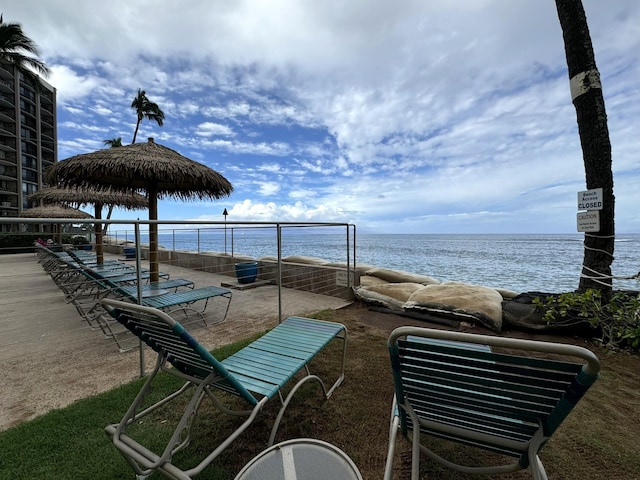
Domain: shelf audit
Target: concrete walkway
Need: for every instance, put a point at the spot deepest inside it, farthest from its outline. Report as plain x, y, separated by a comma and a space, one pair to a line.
50, 357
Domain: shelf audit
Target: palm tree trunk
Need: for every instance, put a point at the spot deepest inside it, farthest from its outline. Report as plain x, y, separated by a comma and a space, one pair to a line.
106, 226
586, 93
135, 132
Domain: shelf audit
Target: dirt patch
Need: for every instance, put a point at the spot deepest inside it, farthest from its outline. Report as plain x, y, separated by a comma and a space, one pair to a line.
597, 440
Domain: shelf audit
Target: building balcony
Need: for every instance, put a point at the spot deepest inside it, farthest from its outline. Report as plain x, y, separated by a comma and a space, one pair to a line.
7, 130
46, 102
5, 73
8, 173
6, 101
7, 146
8, 115
6, 87
6, 188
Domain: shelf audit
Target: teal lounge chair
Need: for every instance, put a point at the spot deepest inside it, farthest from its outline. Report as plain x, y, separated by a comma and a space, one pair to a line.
255, 374
463, 388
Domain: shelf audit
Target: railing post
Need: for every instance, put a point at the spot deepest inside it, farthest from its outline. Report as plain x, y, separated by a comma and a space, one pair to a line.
279, 270
354, 251
139, 290
349, 283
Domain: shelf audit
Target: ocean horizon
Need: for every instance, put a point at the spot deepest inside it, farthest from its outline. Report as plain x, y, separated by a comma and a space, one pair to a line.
518, 262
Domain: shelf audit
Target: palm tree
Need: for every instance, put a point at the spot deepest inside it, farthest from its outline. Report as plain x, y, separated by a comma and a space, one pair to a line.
15, 47
113, 142
586, 93
145, 109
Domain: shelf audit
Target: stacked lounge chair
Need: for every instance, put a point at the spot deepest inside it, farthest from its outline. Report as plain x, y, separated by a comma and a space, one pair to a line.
85, 283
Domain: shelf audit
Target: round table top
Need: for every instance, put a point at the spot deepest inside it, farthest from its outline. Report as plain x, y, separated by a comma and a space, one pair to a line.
300, 459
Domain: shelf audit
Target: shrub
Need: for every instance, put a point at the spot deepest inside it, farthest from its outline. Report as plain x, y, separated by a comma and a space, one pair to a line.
617, 321
18, 242
79, 240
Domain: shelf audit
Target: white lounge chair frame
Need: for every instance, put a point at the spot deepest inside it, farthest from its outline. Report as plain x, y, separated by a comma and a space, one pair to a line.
456, 388
256, 373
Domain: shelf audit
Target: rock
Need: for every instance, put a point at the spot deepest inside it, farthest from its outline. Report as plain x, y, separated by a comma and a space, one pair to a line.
520, 312
523, 315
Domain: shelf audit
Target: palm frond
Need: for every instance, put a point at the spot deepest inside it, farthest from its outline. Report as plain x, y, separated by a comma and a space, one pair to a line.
15, 48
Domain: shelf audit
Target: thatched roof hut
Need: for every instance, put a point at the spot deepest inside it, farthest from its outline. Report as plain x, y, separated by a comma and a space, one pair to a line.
155, 169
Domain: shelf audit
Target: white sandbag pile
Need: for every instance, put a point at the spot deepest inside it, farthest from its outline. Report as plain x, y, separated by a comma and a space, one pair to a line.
403, 292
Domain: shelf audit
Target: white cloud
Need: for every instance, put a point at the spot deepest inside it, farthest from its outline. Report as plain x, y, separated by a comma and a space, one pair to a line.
69, 84
398, 114
210, 129
269, 188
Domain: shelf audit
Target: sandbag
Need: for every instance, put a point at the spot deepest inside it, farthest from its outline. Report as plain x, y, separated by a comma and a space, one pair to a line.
304, 260
374, 298
362, 268
395, 276
482, 303
506, 294
398, 291
370, 280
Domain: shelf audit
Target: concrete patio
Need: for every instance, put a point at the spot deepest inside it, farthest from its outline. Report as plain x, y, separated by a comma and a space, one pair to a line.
51, 358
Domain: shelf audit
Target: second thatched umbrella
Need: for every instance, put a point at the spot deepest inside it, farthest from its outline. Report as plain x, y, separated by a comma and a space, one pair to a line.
55, 211
98, 198
155, 169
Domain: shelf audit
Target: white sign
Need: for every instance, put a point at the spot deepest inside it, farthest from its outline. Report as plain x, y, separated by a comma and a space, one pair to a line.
590, 199
589, 221
342, 278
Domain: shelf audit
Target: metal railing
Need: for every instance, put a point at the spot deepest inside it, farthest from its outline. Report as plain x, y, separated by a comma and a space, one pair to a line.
313, 257
286, 254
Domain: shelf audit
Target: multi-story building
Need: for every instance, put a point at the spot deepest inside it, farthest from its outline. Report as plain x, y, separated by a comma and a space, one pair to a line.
28, 138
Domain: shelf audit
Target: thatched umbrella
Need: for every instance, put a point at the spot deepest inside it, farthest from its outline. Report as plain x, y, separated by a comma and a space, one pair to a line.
155, 169
98, 198
55, 211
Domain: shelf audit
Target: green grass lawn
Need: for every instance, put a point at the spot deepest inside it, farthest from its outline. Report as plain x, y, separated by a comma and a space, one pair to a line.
70, 443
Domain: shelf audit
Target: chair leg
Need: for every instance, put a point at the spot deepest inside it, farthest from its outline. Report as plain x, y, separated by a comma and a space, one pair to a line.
415, 452
537, 469
285, 404
393, 434
535, 464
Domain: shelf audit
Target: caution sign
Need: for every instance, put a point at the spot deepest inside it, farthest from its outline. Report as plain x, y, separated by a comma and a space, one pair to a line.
589, 221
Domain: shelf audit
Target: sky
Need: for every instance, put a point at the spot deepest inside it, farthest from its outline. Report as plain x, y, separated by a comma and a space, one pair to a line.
399, 116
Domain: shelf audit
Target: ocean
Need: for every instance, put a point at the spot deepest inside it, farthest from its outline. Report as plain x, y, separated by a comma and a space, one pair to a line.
523, 263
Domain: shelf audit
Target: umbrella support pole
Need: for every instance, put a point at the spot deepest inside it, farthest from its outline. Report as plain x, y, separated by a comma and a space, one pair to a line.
153, 233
